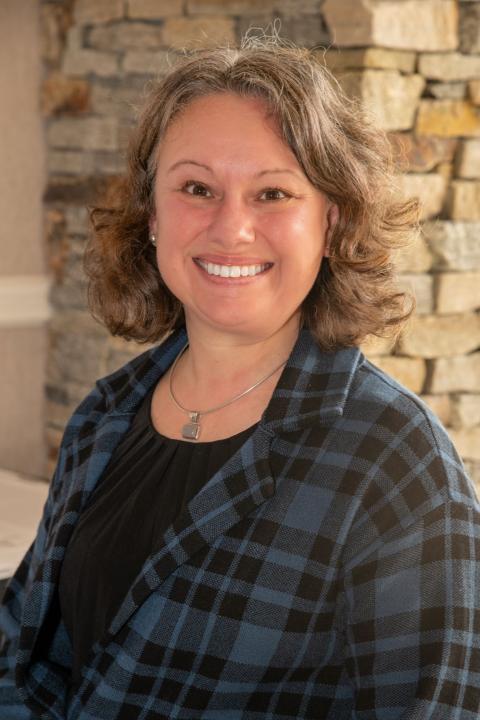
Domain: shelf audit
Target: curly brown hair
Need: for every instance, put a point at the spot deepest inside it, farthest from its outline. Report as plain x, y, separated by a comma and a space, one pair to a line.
341, 152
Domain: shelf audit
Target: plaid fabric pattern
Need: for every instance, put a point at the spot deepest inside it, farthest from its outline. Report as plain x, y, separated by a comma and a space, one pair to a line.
330, 569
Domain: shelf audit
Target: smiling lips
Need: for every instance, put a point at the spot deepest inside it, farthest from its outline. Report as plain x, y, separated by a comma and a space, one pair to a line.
232, 271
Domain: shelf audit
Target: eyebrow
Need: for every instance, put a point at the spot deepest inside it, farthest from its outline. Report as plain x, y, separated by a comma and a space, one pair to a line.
209, 169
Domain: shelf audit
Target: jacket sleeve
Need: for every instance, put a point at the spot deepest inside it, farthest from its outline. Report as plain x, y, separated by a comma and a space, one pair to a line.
413, 638
11, 705
11, 608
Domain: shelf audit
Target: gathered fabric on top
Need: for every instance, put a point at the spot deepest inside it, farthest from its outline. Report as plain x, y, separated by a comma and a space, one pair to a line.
148, 482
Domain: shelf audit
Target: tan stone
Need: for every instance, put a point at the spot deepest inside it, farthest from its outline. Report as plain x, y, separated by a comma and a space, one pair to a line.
465, 410
469, 24
421, 287
468, 159
122, 101
89, 133
93, 11
410, 372
467, 442
455, 374
405, 24
429, 188
373, 58
433, 336
61, 94
440, 405
79, 62
414, 258
464, 200
453, 245
198, 31
125, 36
472, 468
420, 154
447, 118
238, 7
449, 66
154, 9
457, 292
447, 90
54, 23
373, 346
391, 97
474, 91
147, 63
82, 162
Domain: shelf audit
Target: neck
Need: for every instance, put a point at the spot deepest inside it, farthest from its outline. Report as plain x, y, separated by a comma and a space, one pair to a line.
216, 366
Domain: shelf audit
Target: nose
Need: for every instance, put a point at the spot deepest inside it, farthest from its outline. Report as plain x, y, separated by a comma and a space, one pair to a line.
232, 224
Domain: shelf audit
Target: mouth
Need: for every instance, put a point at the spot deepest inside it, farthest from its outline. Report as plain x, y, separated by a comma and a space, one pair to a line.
232, 271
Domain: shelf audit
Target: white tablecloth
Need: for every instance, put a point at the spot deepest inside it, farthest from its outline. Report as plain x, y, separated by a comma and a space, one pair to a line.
21, 505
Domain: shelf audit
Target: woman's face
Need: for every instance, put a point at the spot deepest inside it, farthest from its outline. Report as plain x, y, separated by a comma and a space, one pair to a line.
240, 230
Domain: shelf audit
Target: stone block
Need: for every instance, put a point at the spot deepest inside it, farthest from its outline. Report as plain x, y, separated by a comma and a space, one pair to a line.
421, 287
92, 11
77, 221
390, 96
82, 162
369, 58
469, 24
429, 188
286, 9
434, 336
460, 373
453, 245
426, 25
154, 9
472, 468
467, 442
468, 159
119, 98
304, 30
464, 200
88, 133
125, 36
414, 258
61, 94
457, 292
447, 118
147, 63
474, 91
198, 32
447, 90
410, 372
78, 348
420, 154
373, 346
465, 410
79, 62
449, 66
54, 23
440, 405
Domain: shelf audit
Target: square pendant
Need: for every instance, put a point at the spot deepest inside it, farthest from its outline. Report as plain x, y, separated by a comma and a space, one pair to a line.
191, 431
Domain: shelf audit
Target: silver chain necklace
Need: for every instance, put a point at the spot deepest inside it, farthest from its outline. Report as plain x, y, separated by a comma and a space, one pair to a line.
191, 430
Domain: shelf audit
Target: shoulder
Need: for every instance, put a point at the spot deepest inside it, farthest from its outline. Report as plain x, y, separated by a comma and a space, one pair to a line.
401, 443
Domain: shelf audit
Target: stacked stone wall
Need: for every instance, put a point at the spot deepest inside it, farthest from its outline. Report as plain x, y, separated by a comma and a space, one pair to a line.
416, 65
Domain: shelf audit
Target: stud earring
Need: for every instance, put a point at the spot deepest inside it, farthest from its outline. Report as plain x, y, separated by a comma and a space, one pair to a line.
153, 239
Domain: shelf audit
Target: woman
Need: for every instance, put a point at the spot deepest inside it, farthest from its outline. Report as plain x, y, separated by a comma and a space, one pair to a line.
250, 520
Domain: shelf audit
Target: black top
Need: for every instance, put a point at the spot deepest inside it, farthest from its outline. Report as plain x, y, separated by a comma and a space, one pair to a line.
147, 483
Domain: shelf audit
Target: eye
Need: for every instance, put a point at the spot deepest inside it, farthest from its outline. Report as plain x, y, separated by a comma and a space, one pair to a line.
274, 194
192, 187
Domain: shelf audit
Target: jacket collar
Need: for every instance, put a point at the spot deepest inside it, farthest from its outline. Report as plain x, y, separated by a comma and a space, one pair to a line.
312, 388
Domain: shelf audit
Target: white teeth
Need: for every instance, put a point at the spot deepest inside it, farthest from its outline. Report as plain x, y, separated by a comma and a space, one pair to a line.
233, 271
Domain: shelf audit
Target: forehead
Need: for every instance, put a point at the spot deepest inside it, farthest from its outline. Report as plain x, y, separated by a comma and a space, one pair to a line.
225, 125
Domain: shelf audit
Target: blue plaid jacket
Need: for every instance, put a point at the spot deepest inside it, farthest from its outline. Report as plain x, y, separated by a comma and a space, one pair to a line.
330, 569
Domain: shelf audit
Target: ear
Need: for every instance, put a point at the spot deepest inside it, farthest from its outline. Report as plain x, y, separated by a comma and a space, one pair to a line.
332, 219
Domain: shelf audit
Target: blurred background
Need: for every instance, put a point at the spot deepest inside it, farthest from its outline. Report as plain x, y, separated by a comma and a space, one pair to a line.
72, 73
